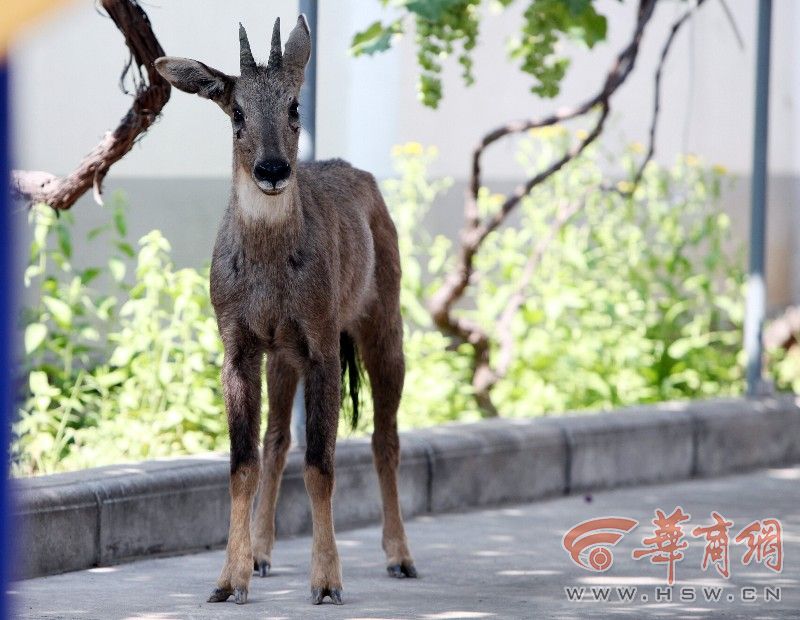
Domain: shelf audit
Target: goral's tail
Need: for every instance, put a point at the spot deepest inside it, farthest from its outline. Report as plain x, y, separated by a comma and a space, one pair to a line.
351, 374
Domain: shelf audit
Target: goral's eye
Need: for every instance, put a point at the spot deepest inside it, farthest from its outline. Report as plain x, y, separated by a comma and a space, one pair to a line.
238, 116
294, 111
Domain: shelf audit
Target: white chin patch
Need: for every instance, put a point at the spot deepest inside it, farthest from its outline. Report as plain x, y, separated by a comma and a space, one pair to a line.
262, 201
269, 188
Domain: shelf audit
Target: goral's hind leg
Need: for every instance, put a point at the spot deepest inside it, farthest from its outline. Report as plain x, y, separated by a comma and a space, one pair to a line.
282, 381
381, 348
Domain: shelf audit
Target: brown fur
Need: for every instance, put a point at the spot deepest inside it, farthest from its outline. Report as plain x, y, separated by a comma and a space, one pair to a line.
298, 261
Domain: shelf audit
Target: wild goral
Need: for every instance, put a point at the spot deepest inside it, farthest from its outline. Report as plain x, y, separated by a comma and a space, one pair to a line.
305, 270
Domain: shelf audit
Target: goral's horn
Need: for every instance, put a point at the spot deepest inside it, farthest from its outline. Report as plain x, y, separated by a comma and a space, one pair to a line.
275, 53
247, 63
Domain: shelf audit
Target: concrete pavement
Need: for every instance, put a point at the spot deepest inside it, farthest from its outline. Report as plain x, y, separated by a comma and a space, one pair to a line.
505, 562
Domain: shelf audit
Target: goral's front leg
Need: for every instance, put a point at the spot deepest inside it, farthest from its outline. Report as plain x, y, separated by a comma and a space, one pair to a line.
235, 576
326, 570
322, 403
242, 388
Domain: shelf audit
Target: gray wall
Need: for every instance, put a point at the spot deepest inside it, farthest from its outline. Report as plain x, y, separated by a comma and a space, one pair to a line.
188, 211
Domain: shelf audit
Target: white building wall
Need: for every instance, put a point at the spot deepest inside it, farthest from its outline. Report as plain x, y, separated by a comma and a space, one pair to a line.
65, 73
66, 69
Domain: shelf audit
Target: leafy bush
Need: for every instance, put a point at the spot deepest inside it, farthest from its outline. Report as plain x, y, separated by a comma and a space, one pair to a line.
636, 299
785, 368
437, 385
151, 390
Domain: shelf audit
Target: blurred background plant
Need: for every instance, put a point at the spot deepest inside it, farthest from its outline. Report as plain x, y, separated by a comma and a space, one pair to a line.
782, 344
114, 377
636, 298
450, 28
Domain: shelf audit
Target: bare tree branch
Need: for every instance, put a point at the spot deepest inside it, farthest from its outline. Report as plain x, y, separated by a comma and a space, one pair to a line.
476, 229
505, 339
151, 96
676, 26
732, 21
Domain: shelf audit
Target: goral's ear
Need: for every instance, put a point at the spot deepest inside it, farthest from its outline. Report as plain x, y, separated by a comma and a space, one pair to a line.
298, 46
194, 77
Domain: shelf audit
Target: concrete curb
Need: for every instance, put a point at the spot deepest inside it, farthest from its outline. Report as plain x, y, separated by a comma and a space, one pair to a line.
112, 514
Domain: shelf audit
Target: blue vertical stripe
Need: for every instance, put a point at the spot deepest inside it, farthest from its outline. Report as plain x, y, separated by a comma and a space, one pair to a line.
7, 280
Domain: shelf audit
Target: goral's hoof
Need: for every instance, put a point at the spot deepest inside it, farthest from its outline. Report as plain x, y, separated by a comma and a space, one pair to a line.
220, 595
318, 594
401, 571
262, 568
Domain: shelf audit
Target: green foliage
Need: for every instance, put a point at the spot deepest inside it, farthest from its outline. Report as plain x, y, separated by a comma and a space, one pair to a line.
636, 299
784, 366
437, 378
445, 28
150, 389
545, 23
376, 38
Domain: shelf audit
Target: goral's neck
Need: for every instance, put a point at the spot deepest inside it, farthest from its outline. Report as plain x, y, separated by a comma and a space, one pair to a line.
269, 224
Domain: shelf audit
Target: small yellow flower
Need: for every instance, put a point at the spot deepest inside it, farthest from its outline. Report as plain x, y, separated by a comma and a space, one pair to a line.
581, 134
692, 160
625, 186
549, 131
637, 147
412, 148
719, 169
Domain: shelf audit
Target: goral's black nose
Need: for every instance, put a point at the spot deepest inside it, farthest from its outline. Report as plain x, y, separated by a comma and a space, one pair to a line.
272, 170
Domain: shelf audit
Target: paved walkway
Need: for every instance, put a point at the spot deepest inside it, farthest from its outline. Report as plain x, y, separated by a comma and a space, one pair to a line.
500, 563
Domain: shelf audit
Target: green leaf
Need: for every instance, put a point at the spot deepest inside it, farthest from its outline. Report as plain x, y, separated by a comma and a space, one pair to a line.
62, 313
110, 379
31, 271
87, 275
64, 241
121, 356
432, 10
165, 374
117, 268
35, 333
39, 384
376, 38
41, 229
119, 221
125, 248
94, 232
105, 307
90, 333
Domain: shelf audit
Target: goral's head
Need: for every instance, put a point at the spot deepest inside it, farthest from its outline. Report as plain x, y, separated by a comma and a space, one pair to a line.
262, 103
